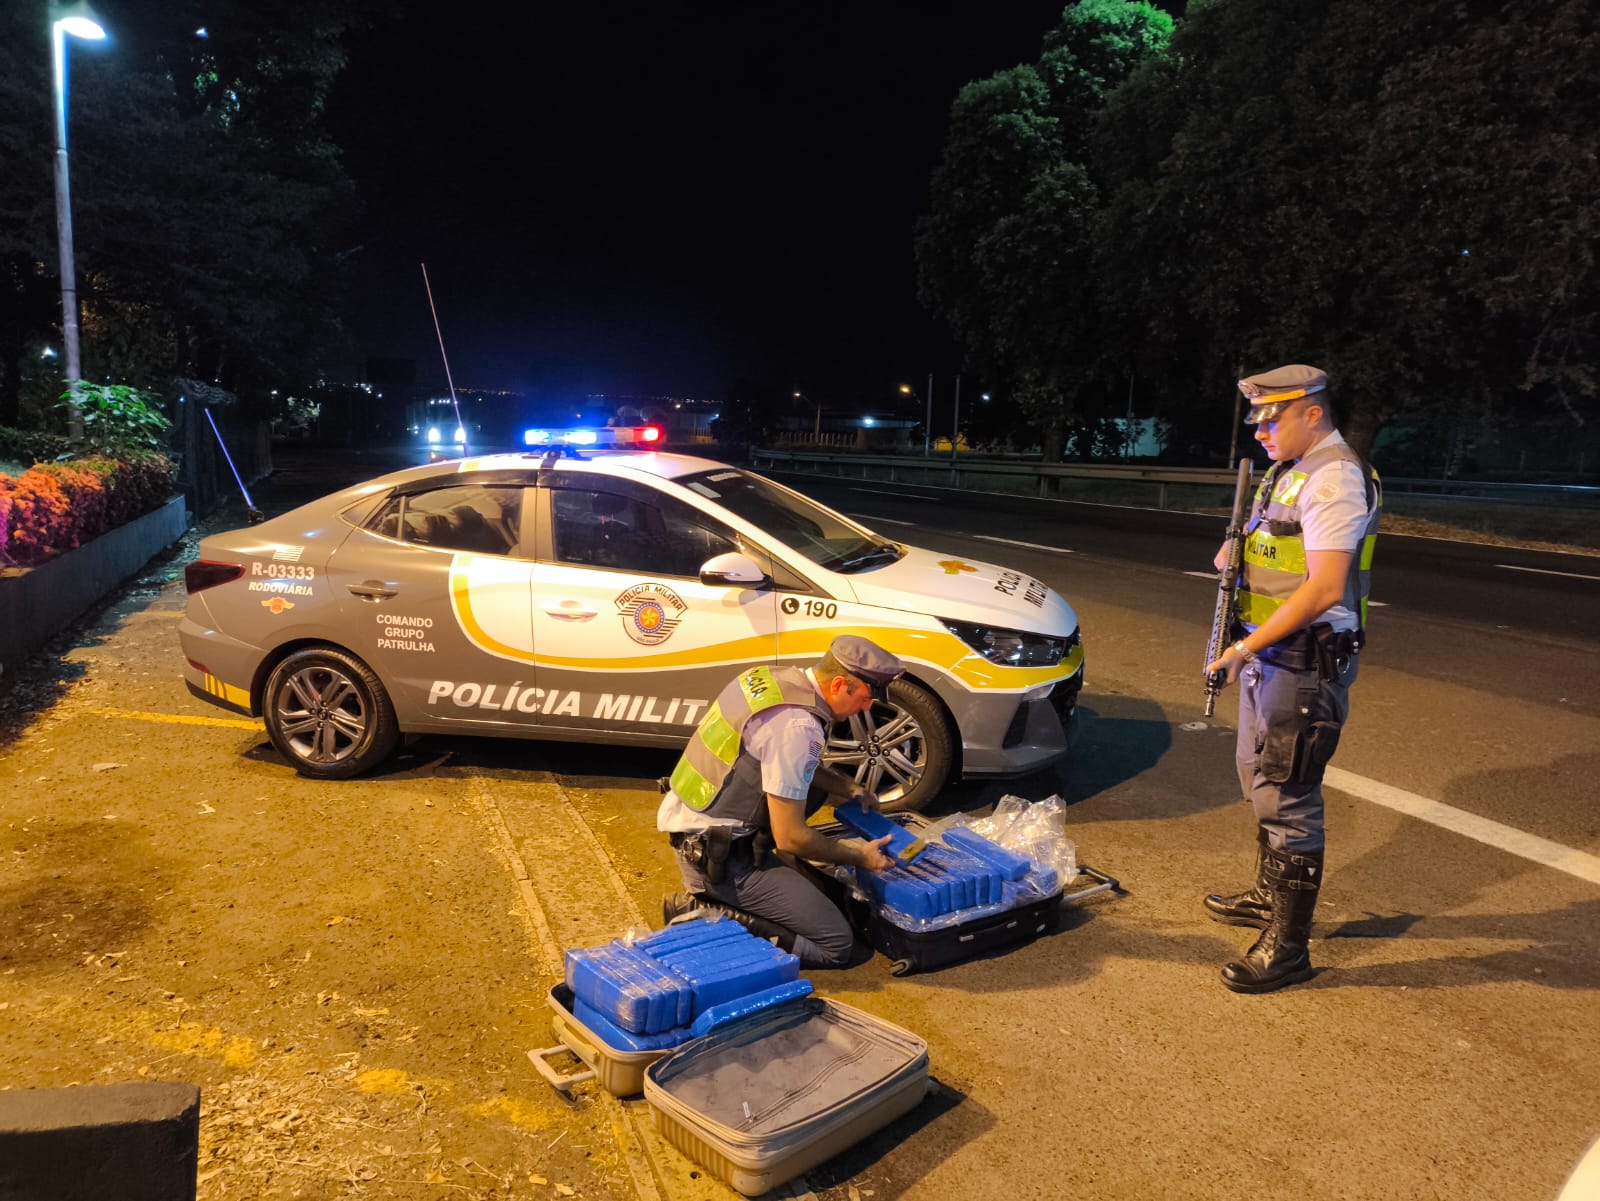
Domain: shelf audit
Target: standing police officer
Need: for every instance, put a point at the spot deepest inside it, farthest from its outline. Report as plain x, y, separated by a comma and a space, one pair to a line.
738, 800
1302, 618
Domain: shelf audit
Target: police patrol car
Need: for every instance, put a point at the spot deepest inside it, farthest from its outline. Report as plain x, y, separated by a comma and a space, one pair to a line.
608, 597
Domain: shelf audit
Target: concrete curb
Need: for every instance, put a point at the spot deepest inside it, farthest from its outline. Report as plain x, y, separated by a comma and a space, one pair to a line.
39, 602
134, 1142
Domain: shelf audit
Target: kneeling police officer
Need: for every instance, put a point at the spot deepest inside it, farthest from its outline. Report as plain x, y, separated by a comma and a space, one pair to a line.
752, 773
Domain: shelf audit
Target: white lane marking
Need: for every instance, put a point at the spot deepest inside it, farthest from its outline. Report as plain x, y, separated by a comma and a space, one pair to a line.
1060, 550
1470, 825
878, 520
901, 495
1571, 575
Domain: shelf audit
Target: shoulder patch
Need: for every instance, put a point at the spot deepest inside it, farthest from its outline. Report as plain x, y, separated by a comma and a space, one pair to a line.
1327, 490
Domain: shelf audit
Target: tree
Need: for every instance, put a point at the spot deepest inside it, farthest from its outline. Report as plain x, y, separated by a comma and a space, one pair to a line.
1403, 194
209, 201
1005, 252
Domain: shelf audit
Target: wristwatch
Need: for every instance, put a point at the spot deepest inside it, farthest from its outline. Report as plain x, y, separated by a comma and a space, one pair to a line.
1245, 653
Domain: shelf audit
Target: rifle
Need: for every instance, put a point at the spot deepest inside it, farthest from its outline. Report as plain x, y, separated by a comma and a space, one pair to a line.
1227, 586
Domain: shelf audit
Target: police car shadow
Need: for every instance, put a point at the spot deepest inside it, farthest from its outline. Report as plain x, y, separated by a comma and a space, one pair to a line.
589, 765
414, 761
1114, 739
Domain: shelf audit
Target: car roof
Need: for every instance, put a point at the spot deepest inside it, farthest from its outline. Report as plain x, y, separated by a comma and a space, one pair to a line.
660, 464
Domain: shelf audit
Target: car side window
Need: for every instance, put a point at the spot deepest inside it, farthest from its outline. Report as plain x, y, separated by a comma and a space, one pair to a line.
462, 517
658, 536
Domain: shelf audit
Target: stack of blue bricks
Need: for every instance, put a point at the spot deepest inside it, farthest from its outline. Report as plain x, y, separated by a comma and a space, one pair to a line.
967, 870
645, 996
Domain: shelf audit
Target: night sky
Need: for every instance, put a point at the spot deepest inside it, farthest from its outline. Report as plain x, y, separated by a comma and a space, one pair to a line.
656, 200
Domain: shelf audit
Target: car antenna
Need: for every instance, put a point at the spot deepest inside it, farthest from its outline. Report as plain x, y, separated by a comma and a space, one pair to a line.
456, 404
256, 515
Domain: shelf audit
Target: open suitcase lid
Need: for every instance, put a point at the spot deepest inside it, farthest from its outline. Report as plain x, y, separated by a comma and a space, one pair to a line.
785, 1067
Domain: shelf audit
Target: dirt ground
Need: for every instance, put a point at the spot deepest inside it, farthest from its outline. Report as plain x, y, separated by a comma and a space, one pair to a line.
349, 974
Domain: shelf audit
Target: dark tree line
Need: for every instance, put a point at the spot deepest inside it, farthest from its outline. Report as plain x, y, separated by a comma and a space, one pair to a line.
1405, 194
210, 206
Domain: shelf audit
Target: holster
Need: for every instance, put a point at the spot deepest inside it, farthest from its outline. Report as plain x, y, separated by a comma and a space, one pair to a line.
1334, 649
761, 846
718, 844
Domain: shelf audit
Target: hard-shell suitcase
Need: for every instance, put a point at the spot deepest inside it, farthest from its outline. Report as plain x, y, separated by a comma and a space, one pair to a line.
619, 1070
922, 949
776, 1090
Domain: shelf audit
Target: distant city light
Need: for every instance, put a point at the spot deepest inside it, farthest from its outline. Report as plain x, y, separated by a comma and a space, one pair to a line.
868, 421
201, 32
49, 353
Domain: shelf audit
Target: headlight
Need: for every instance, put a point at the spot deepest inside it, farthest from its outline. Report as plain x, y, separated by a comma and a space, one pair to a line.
433, 436
1012, 648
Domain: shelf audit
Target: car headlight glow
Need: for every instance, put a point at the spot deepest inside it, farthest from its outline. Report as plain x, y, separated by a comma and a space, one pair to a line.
1012, 648
461, 436
433, 435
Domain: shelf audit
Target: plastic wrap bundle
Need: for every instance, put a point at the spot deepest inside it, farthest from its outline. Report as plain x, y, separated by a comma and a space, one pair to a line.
1036, 829
644, 992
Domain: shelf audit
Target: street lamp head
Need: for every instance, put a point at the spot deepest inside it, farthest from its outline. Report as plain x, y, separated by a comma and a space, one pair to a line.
905, 389
77, 20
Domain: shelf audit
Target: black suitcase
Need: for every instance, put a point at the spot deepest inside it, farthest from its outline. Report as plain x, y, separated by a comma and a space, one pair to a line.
921, 950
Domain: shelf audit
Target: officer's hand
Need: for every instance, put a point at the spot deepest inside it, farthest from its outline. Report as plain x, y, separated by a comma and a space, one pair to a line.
1221, 560
872, 856
1230, 664
864, 797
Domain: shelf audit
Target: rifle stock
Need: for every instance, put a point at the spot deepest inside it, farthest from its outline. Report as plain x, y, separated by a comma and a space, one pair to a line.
1227, 586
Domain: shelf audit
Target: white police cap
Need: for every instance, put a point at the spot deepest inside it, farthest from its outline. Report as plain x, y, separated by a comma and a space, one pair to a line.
1272, 391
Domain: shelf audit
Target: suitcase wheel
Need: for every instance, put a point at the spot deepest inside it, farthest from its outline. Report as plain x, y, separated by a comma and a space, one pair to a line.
900, 967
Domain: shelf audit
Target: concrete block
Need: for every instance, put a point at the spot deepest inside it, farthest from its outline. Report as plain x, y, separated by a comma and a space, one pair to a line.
131, 1142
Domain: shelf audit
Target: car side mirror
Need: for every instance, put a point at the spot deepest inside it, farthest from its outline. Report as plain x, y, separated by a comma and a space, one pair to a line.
733, 570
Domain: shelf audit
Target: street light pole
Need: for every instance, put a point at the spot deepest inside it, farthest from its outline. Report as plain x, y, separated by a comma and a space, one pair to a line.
78, 21
927, 426
955, 432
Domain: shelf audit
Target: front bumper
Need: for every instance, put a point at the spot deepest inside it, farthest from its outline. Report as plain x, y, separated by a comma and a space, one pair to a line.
1038, 735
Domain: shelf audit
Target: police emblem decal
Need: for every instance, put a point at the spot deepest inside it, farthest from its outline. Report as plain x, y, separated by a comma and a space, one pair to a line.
650, 612
277, 605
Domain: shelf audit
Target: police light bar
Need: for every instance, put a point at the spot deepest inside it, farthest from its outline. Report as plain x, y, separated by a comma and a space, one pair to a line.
622, 435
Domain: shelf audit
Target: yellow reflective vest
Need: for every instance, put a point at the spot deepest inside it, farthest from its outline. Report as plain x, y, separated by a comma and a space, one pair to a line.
1275, 549
715, 775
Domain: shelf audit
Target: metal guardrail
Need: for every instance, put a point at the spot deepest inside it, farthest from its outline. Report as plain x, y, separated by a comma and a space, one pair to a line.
949, 472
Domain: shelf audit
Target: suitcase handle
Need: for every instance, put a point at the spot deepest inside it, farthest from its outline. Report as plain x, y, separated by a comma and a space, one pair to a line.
1106, 884
561, 1082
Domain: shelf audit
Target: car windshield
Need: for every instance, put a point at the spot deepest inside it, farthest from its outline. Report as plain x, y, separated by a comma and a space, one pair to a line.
795, 521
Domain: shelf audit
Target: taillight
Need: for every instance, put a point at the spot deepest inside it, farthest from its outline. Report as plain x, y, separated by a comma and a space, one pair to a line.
203, 574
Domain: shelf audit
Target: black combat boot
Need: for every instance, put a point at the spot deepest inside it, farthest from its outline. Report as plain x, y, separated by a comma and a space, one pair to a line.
676, 904
1253, 906
1281, 955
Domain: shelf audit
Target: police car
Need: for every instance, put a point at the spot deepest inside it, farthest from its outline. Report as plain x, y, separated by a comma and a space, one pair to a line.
607, 596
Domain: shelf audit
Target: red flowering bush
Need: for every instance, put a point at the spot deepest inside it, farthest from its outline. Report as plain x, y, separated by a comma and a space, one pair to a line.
53, 507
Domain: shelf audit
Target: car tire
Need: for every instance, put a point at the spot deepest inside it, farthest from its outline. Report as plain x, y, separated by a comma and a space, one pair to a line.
901, 749
328, 714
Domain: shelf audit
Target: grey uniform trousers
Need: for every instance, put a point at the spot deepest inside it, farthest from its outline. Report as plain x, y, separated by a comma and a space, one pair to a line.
784, 896
1289, 726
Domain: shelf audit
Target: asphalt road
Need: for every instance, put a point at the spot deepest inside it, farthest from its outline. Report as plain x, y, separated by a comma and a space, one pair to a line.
1448, 1047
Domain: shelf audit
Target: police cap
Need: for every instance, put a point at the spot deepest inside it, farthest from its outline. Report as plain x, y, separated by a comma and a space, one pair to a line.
1272, 391
865, 660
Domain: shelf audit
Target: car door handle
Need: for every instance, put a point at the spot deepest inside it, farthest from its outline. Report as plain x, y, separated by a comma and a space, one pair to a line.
570, 610
374, 590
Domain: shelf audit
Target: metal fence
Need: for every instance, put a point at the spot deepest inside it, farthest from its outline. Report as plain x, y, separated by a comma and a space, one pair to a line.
1162, 484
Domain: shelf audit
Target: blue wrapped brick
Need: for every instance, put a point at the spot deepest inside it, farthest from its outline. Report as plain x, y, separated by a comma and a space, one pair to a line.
631, 988
635, 996
1010, 864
